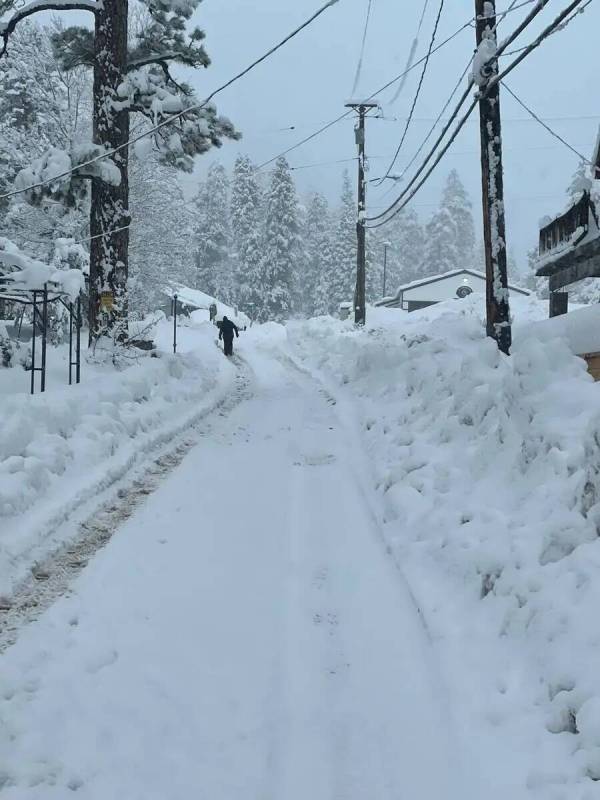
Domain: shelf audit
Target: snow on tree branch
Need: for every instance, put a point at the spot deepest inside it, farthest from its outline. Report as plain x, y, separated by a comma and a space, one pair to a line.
20, 271
8, 27
147, 93
55, 167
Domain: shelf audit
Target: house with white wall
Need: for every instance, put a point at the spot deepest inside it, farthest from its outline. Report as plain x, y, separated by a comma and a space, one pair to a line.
456, 284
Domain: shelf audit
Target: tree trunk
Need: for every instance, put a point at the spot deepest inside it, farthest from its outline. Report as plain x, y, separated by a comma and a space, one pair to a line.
110, 204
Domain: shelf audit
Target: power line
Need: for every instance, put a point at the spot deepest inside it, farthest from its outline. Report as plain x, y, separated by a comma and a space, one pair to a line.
433, 149
418, 92
181, 114
437, 120
383, 88
412, 52
557, 30
395, 207
362, 48
544, 125
506, 43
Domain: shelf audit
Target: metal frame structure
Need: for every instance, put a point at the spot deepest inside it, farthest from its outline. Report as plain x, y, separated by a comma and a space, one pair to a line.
43, 297
174, 307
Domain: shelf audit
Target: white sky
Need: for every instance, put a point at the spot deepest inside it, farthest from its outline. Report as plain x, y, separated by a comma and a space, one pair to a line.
307, 83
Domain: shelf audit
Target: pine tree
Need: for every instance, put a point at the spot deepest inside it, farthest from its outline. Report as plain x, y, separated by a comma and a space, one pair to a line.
213, 237
450, 233
128, 80
281, 245
160, 245
246, 207
41, 107
580, 182
456, 200
318, 263
343, 272
374, 266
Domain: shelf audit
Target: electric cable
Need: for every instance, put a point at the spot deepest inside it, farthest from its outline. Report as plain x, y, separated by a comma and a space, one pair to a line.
362, 49
544, 125
394, 207
412, 52
171, 119
418, 92
382, 89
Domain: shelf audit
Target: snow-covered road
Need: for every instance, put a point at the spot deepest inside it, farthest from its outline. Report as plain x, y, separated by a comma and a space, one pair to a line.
245, 636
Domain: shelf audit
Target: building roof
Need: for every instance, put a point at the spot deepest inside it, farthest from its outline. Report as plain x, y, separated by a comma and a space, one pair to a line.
451, 274
196, 299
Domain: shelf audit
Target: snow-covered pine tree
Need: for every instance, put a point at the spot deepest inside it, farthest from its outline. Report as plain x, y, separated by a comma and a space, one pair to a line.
410, 244
343, 272
318, 262
281, 245
127, 80
450, 233
537, 285
252, 297
581, 180
441, 252
456, 200
213, 236
41, 106
246, 208
161, 247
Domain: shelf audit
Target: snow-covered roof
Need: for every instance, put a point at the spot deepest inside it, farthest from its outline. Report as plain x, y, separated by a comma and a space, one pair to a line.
581, 328
196, 299
444, 276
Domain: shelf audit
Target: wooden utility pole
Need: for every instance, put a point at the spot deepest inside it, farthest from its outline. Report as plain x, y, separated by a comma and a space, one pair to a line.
360, 315
494, 229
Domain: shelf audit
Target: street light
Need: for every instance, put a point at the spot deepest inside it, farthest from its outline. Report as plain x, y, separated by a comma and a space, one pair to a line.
385, 249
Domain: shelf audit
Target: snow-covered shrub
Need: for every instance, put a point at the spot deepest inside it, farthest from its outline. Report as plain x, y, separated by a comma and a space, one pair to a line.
7, 351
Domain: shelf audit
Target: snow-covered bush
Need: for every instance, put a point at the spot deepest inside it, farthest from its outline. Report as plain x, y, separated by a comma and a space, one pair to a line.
6, 348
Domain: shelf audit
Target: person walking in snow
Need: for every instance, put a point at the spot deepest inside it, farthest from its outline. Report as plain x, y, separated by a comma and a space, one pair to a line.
226, 332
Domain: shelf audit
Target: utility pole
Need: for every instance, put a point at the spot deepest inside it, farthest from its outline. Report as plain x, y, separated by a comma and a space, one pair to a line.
494, 228
385, 249
362, 108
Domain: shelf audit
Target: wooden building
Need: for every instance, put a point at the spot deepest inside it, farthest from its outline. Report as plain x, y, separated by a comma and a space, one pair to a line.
569, 248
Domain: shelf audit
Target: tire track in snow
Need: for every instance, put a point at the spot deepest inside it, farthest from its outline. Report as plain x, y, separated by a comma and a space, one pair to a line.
52, 577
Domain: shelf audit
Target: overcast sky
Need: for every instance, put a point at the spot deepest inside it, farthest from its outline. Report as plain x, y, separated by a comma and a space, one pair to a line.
307, 83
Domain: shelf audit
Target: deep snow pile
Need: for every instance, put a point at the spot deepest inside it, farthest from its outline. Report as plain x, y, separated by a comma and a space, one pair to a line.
488, 473
62, 448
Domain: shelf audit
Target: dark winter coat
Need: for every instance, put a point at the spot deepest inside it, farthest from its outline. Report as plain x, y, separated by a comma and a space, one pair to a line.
227, 330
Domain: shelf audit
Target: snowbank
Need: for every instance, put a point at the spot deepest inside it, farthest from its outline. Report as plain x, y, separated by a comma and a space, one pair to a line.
487, 471
59, 449
579, 328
